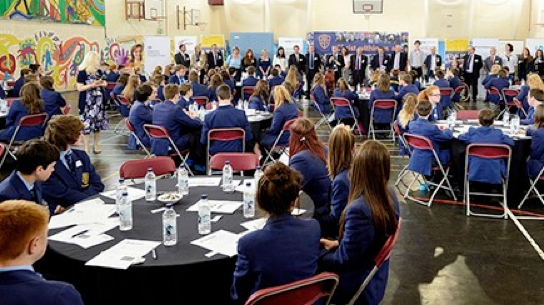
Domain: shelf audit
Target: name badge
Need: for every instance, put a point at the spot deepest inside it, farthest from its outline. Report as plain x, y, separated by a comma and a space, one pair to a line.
219, 57
385, 61
78, 163
476, 60
300, 59
315, 58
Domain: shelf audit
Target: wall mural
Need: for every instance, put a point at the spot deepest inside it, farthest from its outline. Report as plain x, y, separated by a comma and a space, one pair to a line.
91, 12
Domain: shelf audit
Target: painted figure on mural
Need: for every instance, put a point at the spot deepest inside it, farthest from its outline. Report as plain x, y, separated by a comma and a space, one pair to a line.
47, 59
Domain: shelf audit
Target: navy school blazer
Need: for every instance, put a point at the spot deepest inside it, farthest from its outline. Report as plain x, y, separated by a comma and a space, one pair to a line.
381, 116
141, 114
536, 158
53, 101
421, 160
12, 188
284, 113
199, 90
225, 117
15, 113
343, 112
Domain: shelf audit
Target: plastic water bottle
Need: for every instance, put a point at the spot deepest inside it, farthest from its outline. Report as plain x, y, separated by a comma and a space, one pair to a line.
452, 119
228, 187
214, 105
506, 118
121, 189
3, 104
150, 185
204, 215
249, 201
169, 226
125, 213
183, 181
257, 176
514, 124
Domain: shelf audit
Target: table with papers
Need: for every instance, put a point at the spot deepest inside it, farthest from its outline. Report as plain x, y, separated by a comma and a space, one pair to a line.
196, 264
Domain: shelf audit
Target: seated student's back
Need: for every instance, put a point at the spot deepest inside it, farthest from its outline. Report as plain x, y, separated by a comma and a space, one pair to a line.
500, 82
19, 83
536, 158
198, 89
29, 103
141, 113
381, 116
52, 99
481, 169
285, 110
23, 241
344, 92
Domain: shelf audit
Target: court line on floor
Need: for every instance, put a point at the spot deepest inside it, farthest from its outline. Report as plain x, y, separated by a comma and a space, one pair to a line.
526, 234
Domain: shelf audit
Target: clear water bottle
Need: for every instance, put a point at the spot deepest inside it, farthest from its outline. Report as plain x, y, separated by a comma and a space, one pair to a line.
514, 124
183, 180
249, 201
228, 187
452, 118
506, 118
3, 104
125, 213
214, 105
169, 226
150, 185
257, 176
204, 215
121, 189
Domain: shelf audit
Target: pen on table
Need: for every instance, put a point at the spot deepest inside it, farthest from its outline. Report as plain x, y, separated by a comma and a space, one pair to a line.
154, 254
80, 233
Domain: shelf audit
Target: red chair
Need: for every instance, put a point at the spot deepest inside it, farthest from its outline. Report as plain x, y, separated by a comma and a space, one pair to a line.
467, 114
383, 105
30, 120
494, 91
488, 151
247, 91
381, 258
404, 171
423, 143
240, 162
11, 83
201, 101
509, 97
225, 135
343, 102
464, 92
279, 148
138, 140
303, 292
124, 106
159, 132
137, 169
447, 94
66, 109
2, 151
533, 188
110, 86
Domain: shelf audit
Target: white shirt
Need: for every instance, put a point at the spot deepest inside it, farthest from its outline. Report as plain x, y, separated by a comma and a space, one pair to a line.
396, 64
433, 62
280, 61
417, 57
510, 61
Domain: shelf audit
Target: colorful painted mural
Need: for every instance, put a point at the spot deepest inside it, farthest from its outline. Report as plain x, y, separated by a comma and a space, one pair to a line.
91, 12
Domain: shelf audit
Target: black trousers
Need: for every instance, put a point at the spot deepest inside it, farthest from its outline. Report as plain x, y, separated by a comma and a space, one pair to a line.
358, 78
471, 79
419, 71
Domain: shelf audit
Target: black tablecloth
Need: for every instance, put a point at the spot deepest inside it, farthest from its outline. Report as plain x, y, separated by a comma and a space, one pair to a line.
180, 272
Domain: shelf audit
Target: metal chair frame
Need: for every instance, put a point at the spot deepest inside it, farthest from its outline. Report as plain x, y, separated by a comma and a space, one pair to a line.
391, 132
231, 138
184, 155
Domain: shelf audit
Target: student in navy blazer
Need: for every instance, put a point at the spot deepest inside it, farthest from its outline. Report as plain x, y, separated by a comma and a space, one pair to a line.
421, 160
227, 80
407, 86
260, 97
320, 94
535, 98
286, 249
141, 113
19, 83
198, 89
30, 103
522, 96
382, 116
455, 82
186, 93
226, 116
370, 217
52, 99
19, 283
75, 178
500, 83
182, 128
250, 81
442, 83
215, 82
35, 163
178, 77
275, 80
343, 113
285, 110
480, 169
536, 158
308, 156
406, 115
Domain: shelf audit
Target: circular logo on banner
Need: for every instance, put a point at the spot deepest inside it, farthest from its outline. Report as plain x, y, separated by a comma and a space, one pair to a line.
324, 41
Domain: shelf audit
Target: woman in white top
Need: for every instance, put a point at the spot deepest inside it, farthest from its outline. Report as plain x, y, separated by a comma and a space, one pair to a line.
280, 59
346, 71
510, 60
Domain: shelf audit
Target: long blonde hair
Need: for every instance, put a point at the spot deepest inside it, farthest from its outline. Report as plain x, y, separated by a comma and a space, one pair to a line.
90, 63
408, 109
130, 88
319, 80
292, 76
341, 143
281, 96
495, 69
535, 82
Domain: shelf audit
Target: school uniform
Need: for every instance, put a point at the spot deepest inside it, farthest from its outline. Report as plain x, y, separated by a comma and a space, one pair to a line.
481, 169
212, 94
53, 101
381, 116
226, 116
341, 113
198, 89
160, 93
275, 81
354, 258
499, 83
14, 187
184, 102
15, 113
421, 161
404, 151
249, 81
322, 99
118, 89
282, 114
256, 103
536, 158
315, 180
66, 186
231, 84
17, 87
285, 250
523, 97
143, 79
530, 120
140, 114
112, 77
21, 285
176, 79
445, 100
338, 200
454, 83
394, 83
178, 124
411, 88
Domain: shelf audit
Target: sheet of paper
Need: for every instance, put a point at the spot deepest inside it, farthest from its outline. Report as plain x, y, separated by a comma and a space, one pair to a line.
123, 254
223, 242
86, 236
219, 206
204, 181
255, 224
91, 211
133, 194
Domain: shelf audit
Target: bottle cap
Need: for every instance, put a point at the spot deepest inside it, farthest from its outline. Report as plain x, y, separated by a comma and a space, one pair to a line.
248, 184
227, 162
121, 180
204, 196
258, 167
125, 193
149, 169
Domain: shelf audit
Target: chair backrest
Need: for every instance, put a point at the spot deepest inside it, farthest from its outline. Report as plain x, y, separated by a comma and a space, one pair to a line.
10, 100
468, 114
509, 95
459, 89
418, 142
201, 100
2, 149
238, 161
494, 91
489, 151
226, 134
248, 90
302, 292
129, 125
137, 169
33, 120
446, 91
340, 101
66, 109
110, 85
123, 100
385, 104
157, 132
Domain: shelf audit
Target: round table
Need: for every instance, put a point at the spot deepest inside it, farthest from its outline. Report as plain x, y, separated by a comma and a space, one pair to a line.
179, 272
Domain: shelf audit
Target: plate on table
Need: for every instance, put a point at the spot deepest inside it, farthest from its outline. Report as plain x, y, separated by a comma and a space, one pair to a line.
170, 197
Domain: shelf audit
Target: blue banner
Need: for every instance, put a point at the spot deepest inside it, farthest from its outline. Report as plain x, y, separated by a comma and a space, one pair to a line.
370, 41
